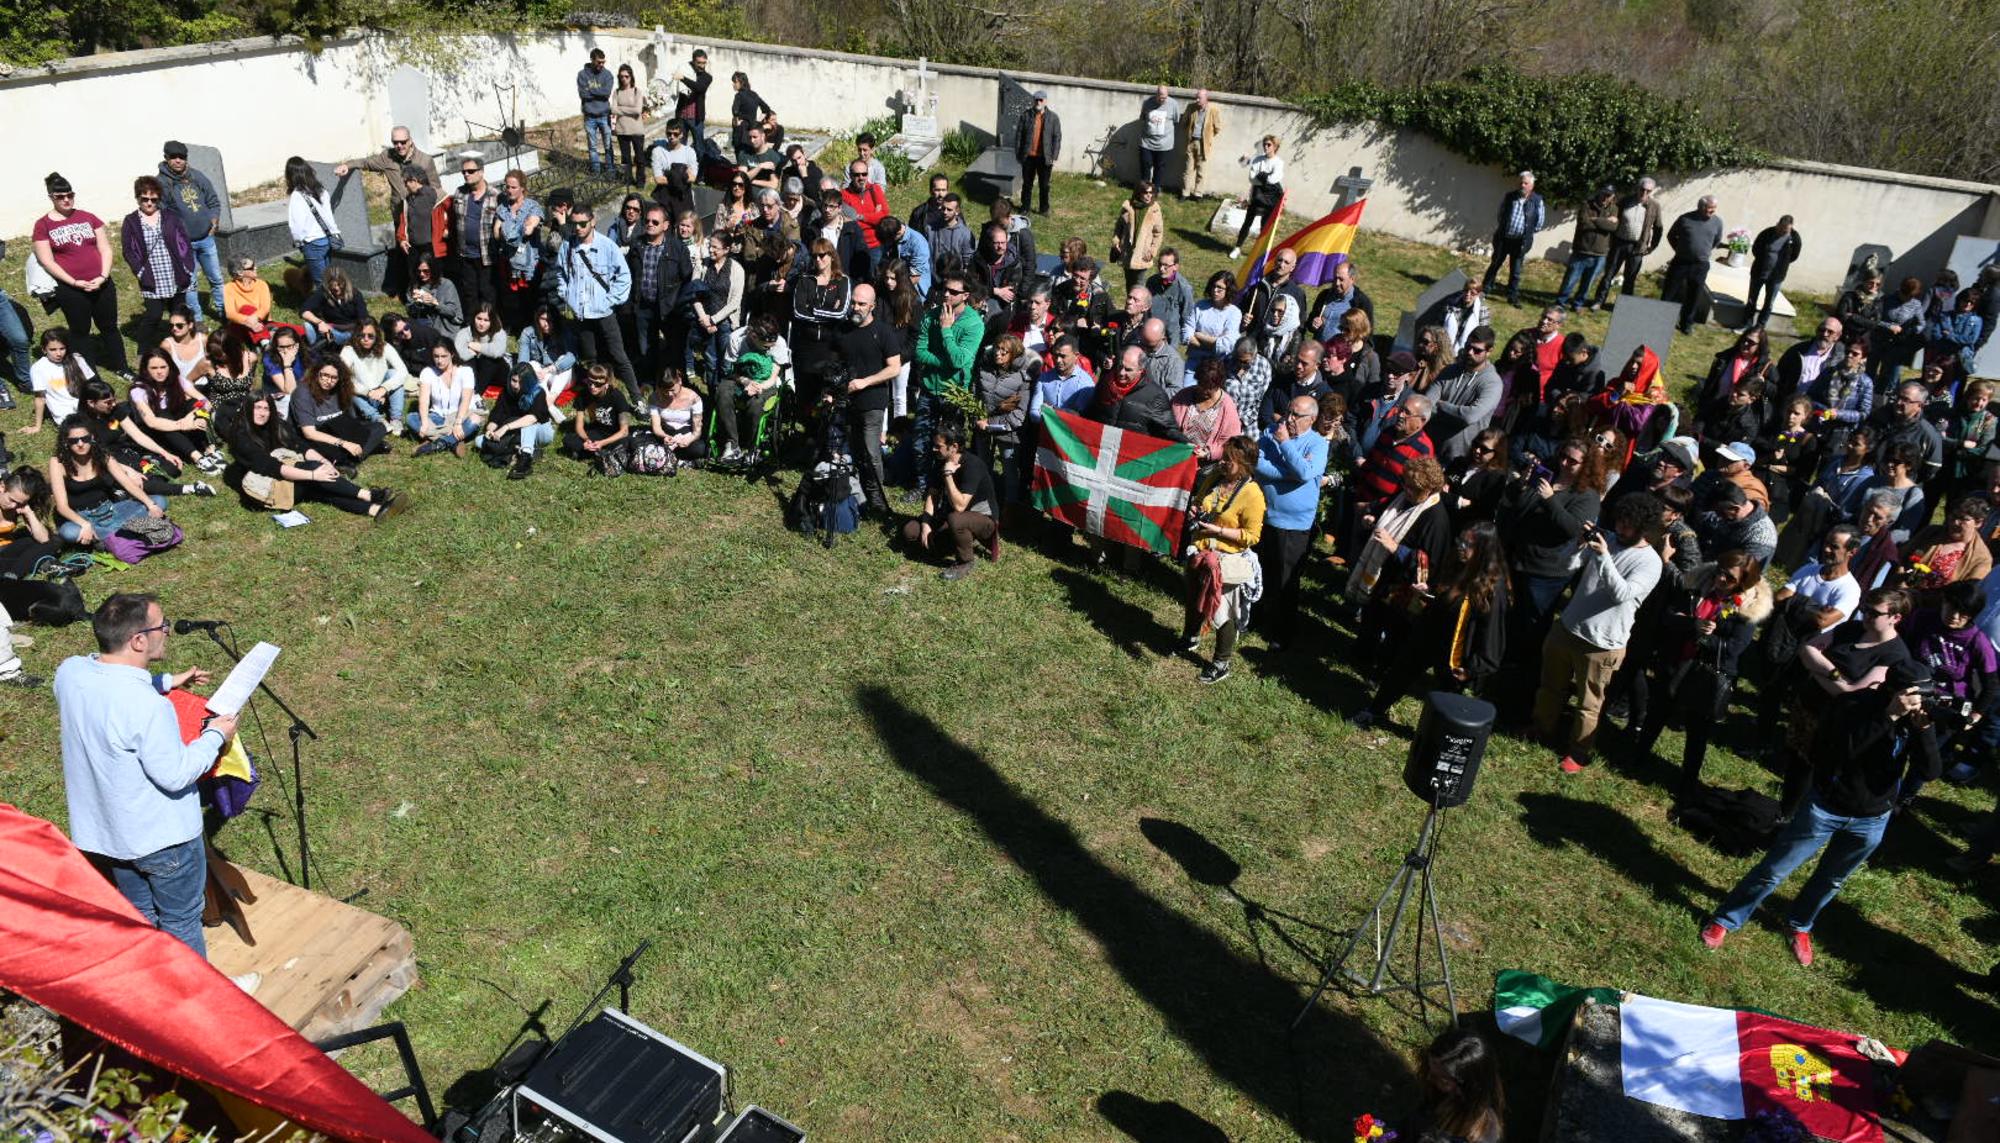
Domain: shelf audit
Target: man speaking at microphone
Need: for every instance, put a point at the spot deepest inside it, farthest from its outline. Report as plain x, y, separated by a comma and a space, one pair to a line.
133, 808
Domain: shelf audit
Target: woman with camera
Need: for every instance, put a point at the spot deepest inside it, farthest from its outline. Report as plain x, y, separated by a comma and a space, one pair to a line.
1544, 513
1700, 643
1226, 523
1461, 634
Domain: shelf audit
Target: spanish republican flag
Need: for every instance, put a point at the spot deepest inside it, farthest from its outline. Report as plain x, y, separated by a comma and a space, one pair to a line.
1321, 247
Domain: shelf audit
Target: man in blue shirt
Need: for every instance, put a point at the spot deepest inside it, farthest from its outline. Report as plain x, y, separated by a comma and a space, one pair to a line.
911, 246
594, 280
1064, 385
1291, 458
133, 807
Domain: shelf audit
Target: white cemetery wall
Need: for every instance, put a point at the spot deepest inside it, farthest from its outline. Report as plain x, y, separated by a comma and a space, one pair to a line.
337, 104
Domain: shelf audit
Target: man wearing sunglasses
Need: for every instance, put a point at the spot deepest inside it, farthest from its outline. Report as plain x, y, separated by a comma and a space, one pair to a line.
595, 280
476, 264
401, 152
1465, 396
133, 806
192, 198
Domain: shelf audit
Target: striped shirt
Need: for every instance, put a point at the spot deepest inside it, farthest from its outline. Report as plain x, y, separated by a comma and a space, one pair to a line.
1381, 473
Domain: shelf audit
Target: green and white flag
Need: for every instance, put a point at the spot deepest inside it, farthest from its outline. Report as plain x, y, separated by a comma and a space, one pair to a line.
1537, 1009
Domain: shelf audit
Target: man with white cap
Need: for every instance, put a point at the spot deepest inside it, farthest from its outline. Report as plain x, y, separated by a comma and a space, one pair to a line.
1038, 145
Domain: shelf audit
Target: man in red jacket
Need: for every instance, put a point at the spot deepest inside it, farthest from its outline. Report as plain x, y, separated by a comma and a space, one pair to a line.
869, 205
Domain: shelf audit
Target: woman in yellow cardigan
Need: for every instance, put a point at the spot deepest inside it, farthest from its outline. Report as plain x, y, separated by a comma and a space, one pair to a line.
1223, 576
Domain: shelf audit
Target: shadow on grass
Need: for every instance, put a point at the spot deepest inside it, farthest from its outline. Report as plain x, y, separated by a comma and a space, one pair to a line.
1156, 1121
1228, 1009
1130, 627
1207, 863
1560, 823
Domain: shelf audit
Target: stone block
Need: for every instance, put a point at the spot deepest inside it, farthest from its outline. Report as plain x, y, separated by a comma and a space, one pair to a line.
1635, 322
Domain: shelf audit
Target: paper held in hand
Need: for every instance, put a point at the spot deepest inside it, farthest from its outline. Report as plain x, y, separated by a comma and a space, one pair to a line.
242, 682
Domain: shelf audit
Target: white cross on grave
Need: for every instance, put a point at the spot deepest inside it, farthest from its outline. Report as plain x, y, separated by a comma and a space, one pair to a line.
1353, 187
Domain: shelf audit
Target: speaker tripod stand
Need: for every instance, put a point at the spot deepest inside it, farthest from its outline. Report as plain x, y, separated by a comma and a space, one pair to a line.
1370, 936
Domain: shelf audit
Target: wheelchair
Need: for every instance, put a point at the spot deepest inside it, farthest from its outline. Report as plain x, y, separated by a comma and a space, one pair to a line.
771, 425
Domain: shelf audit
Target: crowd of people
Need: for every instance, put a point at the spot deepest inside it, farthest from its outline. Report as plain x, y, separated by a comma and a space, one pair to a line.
1515, 518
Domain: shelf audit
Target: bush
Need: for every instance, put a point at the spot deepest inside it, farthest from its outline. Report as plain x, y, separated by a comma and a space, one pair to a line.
962, 147
1576, 132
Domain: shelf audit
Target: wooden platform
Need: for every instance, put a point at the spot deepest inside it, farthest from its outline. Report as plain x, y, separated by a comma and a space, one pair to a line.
327, 967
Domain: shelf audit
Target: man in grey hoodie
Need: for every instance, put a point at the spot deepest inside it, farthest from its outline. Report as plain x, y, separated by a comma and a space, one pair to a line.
593, 91
1465, 396
193, 200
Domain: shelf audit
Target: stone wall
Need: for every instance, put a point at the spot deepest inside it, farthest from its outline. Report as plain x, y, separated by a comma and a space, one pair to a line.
260, 101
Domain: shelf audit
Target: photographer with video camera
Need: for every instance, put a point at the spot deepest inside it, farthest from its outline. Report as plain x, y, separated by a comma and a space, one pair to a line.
1870, 753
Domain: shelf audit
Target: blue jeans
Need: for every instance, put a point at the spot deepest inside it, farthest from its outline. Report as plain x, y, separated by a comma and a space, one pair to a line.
1577, 279
929, 408
397, 399
317, 253
463, 432
597, 139
1848, 842
166, 886
16, 336
210, 260
538, 435
107, 518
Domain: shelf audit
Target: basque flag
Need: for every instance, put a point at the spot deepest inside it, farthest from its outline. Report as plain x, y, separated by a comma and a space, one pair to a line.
1114, 483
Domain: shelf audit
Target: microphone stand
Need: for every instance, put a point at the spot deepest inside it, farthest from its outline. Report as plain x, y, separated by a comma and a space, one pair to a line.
298, 730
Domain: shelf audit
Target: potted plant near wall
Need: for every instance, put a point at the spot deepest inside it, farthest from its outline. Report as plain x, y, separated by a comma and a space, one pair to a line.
1739, 246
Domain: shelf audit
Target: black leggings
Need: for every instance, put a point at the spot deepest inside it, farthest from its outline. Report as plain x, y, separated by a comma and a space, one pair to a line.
1253, 212
183, 443
80, 309
340, 492
632, 155
152, 326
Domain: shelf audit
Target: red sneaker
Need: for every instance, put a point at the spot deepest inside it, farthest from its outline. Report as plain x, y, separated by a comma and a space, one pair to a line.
1713, 935
1570, 765
1802, 948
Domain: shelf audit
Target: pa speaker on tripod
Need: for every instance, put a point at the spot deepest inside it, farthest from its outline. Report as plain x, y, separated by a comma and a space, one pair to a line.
1443, 764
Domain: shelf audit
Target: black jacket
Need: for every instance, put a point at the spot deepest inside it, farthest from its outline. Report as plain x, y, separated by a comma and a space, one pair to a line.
1860, 757
675, 271
1772, 254
1145, 409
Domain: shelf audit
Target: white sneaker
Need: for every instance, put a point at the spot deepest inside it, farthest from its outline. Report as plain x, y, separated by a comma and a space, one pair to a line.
202, 488
1235, 253
248, 982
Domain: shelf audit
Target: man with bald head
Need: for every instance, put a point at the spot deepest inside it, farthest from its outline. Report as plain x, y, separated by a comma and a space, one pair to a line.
1122, 328
1800, 366
1279, 278
1291, 458
873, 353
1164, 366
1158, 116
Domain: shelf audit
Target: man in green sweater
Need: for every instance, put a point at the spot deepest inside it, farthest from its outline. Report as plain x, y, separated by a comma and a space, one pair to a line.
947, 349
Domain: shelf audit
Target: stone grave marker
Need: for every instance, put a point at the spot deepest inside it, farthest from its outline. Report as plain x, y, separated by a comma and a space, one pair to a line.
208, 161
1969, 258
410, 104
1353, 187
1445, 287
350, 206
1867, 254
997, 165
920, 119
1635, 322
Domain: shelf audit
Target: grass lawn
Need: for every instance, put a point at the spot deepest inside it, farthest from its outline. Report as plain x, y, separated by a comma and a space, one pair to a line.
921, 860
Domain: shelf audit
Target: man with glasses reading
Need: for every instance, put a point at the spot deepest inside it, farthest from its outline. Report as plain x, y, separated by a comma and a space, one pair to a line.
130, 780
594, 281
402, 153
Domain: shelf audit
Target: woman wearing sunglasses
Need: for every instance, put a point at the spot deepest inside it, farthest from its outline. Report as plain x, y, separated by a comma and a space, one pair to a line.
75, 249
95, 493
157, 249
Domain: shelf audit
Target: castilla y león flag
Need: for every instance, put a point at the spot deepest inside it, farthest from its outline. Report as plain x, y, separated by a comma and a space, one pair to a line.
1114, 483
1731, 1065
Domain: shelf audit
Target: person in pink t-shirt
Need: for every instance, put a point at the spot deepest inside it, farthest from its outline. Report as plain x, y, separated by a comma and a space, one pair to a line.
73, 246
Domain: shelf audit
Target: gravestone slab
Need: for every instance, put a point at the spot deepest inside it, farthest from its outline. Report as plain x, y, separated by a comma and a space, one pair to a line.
350, 206
1353, 187
1445, 287
1731, 287
1969, 257
1635, 322
1863, 255
1014, 99
410, 104
208, 161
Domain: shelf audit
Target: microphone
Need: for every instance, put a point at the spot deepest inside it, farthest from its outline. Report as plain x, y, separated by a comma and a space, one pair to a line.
184, 626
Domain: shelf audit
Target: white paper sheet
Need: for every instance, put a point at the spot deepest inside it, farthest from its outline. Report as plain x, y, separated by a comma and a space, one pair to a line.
242, 682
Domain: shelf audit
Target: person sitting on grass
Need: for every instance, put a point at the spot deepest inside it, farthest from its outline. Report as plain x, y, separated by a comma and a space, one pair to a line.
25, 539
1222, 573
165, 406
545, 348
119, 435
95, 493
482, 344
323, 409
446, 415
602, 431
961, 507
284, 365
676, 416
521, 420
1460, 638
57, 378
381, 380
1463, 1099
263, 442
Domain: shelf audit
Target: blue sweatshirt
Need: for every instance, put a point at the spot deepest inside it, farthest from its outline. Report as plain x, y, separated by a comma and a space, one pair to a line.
1289, 472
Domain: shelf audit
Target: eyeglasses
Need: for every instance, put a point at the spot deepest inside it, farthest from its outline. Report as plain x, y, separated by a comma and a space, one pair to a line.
177, 325
163, 626
399, 142
61, 195
956, 293
1478, 350
75, 441
1878, 613
1481, 450
149, 198
468, 172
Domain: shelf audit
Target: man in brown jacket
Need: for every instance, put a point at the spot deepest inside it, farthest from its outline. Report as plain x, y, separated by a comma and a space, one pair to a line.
1204, 125
1595, 224
402, 152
